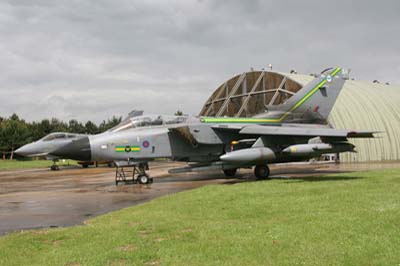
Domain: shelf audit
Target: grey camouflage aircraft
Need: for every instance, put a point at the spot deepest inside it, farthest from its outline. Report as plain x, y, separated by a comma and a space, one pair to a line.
47, 144
293, 131
53, 141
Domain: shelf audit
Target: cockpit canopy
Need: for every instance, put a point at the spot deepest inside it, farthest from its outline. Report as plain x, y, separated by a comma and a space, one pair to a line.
59, 135
148, 120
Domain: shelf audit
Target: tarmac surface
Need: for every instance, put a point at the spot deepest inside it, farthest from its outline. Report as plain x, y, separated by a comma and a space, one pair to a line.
40, 198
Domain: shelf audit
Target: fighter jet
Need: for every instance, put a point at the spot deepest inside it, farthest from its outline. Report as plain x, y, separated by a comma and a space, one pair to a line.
47, 144
290, 132
56, 140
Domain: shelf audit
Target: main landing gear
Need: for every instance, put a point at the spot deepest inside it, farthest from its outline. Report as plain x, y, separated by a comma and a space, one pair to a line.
230, 172
261, 172
54, 166
133, 175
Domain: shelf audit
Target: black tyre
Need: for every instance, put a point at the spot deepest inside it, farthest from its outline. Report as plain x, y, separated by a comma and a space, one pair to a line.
230, 172
143, 179
85, 165
261, 172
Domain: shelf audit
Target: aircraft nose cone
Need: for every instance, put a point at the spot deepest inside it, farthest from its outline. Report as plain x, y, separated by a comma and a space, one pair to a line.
77, 150
22, 151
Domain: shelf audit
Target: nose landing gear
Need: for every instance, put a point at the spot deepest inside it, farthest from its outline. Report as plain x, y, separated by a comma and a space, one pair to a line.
144, 179
142, 176
132, 174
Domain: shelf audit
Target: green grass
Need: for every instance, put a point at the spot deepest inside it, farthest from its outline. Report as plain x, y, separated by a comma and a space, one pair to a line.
346, 219
15, 164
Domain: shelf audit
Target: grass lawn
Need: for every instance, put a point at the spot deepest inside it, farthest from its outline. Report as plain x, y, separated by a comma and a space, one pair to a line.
346, 219
15, 164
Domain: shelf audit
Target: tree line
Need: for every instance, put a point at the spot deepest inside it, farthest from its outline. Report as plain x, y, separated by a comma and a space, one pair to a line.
15, 132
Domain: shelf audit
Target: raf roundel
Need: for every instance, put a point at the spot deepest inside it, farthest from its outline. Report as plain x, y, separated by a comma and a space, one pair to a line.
329, 78
146, 144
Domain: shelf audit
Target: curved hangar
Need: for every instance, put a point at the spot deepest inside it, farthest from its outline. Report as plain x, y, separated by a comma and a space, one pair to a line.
360, 105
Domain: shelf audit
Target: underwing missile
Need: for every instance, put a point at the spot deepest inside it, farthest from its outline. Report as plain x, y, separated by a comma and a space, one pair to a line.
320, 148
262, 154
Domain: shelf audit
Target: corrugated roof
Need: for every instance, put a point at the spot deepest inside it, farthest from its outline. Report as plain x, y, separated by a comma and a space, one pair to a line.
369, 106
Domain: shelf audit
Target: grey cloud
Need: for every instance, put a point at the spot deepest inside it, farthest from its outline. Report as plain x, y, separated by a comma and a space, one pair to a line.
93, 59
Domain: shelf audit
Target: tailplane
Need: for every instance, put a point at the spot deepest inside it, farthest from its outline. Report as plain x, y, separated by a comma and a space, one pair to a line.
314, 102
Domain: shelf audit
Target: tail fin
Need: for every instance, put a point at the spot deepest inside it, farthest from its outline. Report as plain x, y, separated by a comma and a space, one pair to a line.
316, 99
311, 104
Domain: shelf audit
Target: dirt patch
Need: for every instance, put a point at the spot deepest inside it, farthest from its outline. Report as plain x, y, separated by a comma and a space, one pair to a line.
128, 247
133, 224
72, 264
40, 232
153, 263
119, 262
144, 233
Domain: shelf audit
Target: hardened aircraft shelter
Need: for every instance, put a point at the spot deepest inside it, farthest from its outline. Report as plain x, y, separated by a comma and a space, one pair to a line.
360, 105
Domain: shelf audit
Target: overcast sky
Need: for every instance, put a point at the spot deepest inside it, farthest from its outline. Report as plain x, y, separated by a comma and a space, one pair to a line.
93, 59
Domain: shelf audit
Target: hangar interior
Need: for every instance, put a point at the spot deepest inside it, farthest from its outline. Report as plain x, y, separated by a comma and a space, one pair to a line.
247, 94
361, 105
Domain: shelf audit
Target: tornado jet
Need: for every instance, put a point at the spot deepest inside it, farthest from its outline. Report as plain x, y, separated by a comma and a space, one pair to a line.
53, 141
289, 132
47, 144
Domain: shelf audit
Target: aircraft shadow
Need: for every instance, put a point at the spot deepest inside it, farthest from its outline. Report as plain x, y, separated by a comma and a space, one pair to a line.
322, 178
291, 175
192, 178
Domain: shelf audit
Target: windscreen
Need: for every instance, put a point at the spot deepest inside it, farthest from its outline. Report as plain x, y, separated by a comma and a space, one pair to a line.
148, 120
53, 136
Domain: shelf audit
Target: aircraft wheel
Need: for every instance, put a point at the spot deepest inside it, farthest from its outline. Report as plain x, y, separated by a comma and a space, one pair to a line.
54, 168
85, 165
261, 172
143, 179
230, 172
